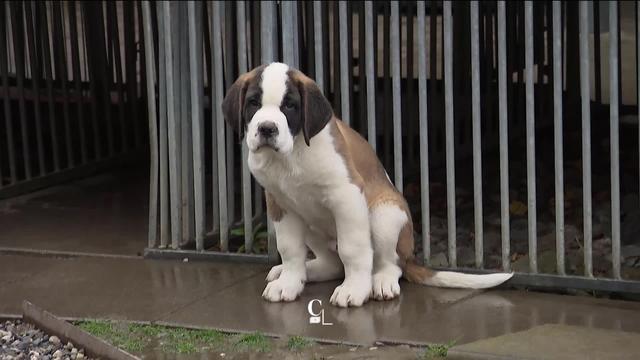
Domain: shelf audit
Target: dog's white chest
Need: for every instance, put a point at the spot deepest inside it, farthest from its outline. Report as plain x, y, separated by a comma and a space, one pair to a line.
297, 189
302, 182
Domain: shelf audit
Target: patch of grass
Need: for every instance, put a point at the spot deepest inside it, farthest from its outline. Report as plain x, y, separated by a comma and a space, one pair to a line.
146, 330
116, 335
297, 343
186, 341
97, 328
438, 351
254, 341
136, 337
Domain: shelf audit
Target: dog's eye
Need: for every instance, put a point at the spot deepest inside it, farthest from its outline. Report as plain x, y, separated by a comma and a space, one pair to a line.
254, 102
289, 105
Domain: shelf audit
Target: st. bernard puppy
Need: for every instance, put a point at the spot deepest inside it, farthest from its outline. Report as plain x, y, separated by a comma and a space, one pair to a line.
325, 185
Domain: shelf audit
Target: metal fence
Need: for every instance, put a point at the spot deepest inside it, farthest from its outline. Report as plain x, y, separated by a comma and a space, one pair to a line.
71, 104
483, 90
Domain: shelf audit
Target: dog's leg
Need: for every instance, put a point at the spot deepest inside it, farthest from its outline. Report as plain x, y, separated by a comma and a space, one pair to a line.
290, 231
327, 265
351, 215
386, 222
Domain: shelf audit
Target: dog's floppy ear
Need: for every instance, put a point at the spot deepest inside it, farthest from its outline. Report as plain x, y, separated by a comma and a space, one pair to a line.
316, 110
233, 104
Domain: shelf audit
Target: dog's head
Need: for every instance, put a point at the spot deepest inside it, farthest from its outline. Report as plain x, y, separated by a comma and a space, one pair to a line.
274, 105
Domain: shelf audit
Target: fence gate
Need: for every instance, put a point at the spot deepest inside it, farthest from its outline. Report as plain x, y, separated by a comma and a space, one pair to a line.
511, 127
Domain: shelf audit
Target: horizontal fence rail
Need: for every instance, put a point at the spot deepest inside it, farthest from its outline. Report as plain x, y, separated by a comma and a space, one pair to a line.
482, 111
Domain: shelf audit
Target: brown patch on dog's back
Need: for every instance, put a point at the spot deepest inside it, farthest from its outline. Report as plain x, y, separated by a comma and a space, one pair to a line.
367, 173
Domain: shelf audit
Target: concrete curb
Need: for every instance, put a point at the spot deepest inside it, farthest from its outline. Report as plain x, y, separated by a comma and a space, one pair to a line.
92, 345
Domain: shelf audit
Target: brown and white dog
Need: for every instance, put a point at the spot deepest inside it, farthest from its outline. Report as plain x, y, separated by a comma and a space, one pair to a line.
324, 184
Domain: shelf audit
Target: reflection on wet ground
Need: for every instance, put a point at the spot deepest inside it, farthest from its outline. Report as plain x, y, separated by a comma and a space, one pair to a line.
106, 214
227, 296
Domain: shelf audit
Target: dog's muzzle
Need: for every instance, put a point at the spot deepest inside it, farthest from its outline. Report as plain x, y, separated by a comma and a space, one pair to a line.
267, 135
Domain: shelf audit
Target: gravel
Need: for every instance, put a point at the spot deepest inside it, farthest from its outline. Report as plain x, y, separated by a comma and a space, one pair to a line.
22, 341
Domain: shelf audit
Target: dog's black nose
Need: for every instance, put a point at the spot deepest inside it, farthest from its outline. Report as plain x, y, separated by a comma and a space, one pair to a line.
268, 129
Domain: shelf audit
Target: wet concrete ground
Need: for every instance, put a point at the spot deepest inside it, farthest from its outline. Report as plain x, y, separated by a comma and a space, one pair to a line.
106, 214
227, 296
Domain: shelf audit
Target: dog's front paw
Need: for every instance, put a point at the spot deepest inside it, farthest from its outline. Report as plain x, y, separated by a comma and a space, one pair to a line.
274, 273
385, 286
352, 293
283, 289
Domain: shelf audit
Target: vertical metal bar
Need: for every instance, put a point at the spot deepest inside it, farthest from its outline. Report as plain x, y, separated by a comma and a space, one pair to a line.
188, 210
19, 51
33, 44
254, 57
247, 215
586, 136
140, 94
296, 39
91, 71
48, 73
268, 40
557, 133
75, 59
290, 33
197, 118
345, 65
208, 32
173, 127
267, 25
531, 137
410, 128
613, 118
362, 48
397, 110
229, 57
477, 144
387, 109
164, 153
596, 52
105, 73
317, 34
112, 15
504, 136
433, 64
449, 127
424, 134
62, 77
130, 57
370, 73
4, 71
153, 127
288, 49
216, 48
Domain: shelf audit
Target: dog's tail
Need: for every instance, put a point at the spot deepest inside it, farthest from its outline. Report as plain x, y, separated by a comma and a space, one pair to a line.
449, 279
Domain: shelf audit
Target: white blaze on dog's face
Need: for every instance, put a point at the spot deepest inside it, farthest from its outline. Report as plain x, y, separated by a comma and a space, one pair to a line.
274, 104
270, 127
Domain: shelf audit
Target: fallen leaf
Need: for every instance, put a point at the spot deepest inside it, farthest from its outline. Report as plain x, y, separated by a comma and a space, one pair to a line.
517, 208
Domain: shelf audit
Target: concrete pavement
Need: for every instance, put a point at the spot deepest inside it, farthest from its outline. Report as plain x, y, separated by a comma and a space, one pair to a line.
227, 296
